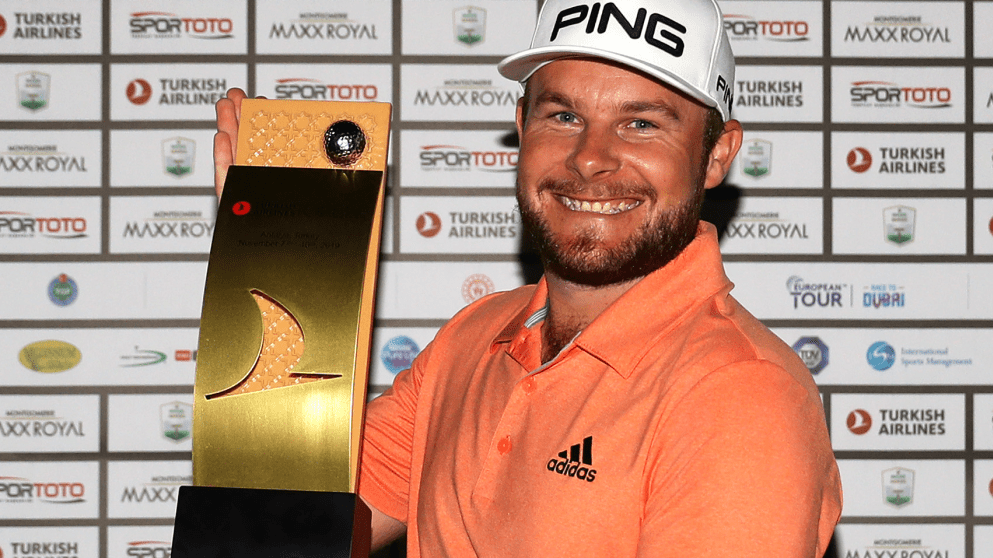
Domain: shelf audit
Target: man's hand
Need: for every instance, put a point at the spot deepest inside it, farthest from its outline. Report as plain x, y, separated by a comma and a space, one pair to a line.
226, 139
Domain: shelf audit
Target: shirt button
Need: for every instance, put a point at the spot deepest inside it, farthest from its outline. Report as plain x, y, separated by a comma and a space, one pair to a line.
504, 445
530, 384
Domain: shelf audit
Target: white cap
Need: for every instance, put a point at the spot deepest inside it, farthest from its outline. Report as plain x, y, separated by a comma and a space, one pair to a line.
680, 42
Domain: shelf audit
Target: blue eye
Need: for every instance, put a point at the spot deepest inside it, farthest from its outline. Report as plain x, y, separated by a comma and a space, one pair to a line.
642, 124
566, 117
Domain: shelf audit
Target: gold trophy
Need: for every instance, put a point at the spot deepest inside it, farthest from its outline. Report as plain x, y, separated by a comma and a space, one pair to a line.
285, 336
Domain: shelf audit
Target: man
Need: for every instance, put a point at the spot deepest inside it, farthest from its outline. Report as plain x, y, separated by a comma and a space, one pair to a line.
626, 405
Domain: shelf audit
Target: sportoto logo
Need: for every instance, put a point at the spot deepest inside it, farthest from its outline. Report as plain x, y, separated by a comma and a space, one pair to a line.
139, 91
746, 27
859, 160
889, 94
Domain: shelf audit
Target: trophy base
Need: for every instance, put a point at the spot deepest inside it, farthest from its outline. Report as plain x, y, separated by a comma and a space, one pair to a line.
216, 522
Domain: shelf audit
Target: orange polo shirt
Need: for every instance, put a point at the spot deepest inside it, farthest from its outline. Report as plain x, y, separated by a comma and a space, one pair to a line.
674, 425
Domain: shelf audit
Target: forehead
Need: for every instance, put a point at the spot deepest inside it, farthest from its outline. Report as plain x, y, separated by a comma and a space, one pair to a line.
594, 80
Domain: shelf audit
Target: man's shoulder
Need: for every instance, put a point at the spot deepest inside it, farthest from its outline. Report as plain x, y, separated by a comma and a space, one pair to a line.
493, 311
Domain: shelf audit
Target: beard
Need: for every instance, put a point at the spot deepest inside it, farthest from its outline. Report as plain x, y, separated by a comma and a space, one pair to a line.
584, 260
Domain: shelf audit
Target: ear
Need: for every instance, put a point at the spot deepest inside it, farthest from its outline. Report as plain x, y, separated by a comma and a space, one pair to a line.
723, 154
520, 116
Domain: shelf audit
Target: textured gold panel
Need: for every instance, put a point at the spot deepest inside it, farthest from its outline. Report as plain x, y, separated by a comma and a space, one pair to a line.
291, 133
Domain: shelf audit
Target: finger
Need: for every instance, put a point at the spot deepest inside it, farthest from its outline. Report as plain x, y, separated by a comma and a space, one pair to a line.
223, 158
236, 96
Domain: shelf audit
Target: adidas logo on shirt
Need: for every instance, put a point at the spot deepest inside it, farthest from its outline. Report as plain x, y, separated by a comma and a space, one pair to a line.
575, 462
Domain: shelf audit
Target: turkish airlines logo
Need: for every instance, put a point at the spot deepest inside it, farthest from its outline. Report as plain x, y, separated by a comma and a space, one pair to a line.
3, 29
241, 208
428, 224
139, 91
859, 160
859, 422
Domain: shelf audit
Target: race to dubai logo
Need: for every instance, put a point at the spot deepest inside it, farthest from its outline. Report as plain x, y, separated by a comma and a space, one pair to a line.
164, 25
884, 295
740, 27
138, 91
899, 223
142, 357
178, 155
880, 355
859, 159
398, 353
859, 422
62, 290
476, 287
813, 352
33, 90
177, 420
757, 158
469, 24
886, 94
428, 224
898, 486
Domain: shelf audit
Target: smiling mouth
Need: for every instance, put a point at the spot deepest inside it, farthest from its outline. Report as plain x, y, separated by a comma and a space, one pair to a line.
612, 207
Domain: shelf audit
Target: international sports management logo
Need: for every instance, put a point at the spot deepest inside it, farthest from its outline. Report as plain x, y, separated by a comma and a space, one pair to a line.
880, 355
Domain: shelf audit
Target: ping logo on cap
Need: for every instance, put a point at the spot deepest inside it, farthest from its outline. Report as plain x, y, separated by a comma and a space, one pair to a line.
656, 28
727, 89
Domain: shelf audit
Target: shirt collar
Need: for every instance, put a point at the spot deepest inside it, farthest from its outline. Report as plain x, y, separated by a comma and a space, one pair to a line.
625, 331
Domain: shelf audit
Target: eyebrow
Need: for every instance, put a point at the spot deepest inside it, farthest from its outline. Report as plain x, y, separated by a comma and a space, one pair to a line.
663, 108
660, 107
553, 98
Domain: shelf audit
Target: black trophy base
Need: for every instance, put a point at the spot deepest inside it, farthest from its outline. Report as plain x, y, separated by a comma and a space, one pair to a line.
216, 522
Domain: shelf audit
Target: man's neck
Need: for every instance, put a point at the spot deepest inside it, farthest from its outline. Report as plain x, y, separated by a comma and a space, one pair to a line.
572, 307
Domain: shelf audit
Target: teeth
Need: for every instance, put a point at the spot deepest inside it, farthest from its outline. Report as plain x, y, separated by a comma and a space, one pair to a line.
605, 208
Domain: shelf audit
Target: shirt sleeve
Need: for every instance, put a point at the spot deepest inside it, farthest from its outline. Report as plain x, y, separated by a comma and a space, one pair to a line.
387, 444
743, 467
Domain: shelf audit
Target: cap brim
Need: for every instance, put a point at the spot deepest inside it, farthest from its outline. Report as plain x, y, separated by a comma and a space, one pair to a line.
521, 66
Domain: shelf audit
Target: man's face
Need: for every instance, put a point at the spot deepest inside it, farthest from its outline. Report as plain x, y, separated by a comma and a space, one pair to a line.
611, 171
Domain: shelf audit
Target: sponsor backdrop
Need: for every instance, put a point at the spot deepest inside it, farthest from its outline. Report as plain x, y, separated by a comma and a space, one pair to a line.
858, 224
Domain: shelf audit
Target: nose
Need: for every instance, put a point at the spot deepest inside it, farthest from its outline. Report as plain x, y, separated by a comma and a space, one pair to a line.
593, 155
